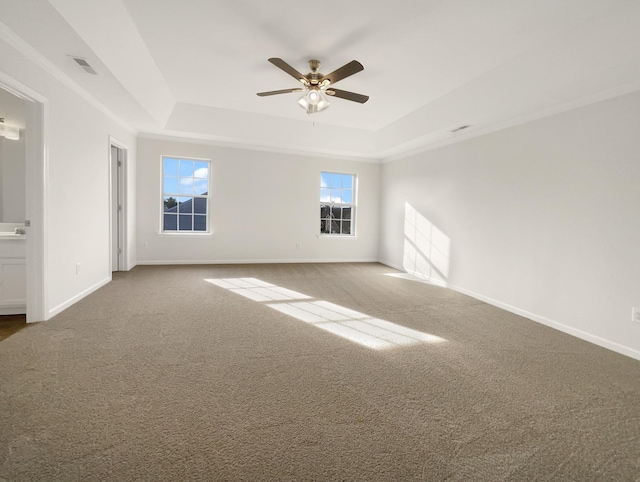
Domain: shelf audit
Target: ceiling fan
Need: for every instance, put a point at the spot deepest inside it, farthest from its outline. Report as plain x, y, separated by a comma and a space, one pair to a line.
317, 85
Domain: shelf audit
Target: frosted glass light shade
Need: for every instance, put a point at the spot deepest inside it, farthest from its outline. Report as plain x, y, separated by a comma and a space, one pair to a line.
314, 101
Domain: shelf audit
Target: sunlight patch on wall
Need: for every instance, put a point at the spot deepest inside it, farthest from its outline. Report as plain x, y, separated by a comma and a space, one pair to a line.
349, 324
426, 248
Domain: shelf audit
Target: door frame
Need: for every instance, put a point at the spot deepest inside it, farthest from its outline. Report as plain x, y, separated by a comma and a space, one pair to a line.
118, 197
36, 192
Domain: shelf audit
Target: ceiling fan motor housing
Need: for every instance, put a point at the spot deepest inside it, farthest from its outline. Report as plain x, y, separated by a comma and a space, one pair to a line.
314, 76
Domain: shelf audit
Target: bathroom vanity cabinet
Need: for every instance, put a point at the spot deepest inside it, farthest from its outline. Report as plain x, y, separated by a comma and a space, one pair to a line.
13, 274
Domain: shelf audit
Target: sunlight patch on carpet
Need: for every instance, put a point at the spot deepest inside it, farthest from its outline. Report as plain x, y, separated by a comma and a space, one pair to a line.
257, 290
355, 326
349, 324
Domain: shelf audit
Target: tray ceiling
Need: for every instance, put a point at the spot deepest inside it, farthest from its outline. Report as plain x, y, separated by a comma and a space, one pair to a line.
192, 68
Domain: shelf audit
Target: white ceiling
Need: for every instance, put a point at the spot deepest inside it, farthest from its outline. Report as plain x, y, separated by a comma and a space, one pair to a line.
192, 68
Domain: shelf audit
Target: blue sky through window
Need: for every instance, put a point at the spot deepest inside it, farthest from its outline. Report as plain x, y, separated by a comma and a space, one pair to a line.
185, 177
336, 188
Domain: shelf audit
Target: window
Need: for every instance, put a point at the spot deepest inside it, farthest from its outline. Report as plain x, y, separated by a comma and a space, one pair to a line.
337, 207
185, 195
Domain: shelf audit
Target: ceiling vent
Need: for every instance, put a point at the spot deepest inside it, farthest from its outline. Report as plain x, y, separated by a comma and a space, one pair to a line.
461, 128
84, 64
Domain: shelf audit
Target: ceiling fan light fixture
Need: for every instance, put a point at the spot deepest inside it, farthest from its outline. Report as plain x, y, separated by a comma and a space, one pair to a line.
313, 97
313, 101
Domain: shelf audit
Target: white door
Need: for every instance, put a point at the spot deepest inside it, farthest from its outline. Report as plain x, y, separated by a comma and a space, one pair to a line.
117, 208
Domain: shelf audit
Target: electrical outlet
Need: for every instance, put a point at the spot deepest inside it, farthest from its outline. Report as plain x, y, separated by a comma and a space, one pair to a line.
77, 268
635, 315
297, 245
144, 244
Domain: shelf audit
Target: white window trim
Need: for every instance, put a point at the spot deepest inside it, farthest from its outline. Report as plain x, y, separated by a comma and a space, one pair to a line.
171, 234
353, 205
209, 230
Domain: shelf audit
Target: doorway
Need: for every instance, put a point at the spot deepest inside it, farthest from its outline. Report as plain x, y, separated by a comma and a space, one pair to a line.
117, 164
35, 189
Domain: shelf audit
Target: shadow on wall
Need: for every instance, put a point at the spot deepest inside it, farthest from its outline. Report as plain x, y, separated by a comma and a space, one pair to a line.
426, 248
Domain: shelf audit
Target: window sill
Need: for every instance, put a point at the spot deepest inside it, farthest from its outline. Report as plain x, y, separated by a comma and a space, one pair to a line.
337, 236
185, 234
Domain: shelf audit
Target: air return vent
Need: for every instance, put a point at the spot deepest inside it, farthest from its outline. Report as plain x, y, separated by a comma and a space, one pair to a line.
84, 64
461, 128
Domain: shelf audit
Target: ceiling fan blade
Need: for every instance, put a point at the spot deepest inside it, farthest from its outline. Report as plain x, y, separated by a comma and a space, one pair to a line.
343, 72
281, 64
343, 94
283, 91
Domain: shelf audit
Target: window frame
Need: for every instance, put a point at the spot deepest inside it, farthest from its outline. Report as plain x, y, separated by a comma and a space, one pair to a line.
163, 194
331, 204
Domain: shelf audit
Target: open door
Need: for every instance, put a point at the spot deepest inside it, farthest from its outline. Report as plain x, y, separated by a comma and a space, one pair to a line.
117, 160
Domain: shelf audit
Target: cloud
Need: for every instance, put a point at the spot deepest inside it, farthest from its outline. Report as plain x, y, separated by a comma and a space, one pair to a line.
202, 172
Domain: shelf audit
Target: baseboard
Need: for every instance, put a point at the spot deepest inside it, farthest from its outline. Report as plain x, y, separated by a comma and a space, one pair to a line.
583, 335
254, 261
63, 306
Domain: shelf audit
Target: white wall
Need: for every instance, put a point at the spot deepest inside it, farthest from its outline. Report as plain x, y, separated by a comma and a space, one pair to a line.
541, 219
2, 140
263, 204
78, 185
12, 180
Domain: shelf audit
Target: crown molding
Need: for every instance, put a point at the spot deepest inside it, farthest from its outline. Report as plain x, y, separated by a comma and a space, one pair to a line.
204, 139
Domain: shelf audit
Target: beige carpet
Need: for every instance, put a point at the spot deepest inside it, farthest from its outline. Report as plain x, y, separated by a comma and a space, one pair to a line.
162, 375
